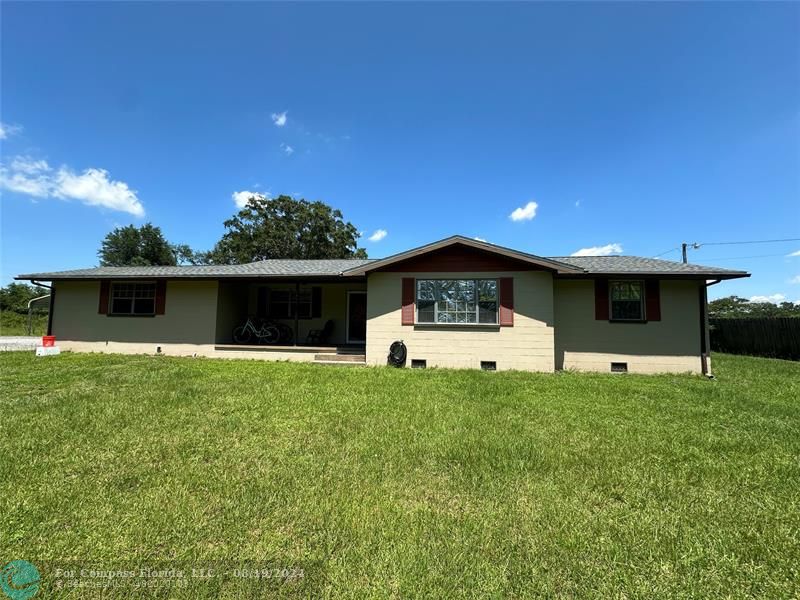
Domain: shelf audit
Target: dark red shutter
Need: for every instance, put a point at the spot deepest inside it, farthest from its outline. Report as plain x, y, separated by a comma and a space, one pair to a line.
506, 302
161, 296
102, 307
316, 302
601, 300
652, 299
407, 313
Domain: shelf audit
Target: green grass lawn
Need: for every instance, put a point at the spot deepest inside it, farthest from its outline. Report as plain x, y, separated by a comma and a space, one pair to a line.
399, 483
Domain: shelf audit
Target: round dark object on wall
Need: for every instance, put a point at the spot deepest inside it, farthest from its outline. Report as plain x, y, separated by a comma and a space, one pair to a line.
397, 354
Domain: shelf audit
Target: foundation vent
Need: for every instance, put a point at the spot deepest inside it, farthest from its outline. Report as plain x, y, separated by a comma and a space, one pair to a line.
488, 365
419, 363
619, 367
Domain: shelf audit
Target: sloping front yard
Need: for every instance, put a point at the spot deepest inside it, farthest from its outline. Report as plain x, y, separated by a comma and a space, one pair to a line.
381, 483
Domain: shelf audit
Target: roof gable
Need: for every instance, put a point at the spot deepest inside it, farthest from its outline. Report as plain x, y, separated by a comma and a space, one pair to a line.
459, 253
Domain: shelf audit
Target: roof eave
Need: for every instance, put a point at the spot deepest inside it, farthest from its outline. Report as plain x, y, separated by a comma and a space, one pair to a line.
658, 274
243, 276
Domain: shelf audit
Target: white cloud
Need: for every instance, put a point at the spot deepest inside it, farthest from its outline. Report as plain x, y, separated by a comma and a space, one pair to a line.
378, 235
287, 149
606, 250
7, 130
794, 253
27, 176
28, 165
524, 213
774, 298
92, 187
241, 198
577, 203
795, 279
279, 118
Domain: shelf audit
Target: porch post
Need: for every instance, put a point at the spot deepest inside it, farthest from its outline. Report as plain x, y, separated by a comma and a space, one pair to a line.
296, 311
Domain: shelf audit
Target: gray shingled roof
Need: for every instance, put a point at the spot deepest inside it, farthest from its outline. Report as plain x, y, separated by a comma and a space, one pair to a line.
610, 265
599, 265
262, 268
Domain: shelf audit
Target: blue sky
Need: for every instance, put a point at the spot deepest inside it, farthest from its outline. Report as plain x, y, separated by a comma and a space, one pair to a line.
632, 126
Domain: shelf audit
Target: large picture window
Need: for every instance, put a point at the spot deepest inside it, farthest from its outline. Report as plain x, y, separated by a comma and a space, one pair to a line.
457, 301
627, 300
133, 298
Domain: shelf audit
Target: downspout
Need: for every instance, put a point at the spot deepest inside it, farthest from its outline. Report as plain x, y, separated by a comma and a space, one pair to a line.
704, 331
52, 304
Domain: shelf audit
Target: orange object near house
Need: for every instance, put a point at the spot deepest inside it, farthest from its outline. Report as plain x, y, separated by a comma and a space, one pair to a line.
48, 341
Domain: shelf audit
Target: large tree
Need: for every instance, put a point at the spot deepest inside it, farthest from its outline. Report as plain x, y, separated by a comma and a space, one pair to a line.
283, 227
141, 246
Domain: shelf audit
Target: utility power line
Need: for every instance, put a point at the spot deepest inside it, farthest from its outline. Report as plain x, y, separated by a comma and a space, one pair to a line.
747, 242
696, 246
743, 257
668, 251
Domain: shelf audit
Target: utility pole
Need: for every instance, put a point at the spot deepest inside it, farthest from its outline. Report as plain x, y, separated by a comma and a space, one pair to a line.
685, 246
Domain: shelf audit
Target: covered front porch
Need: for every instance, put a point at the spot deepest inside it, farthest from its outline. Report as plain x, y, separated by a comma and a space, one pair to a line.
309, 320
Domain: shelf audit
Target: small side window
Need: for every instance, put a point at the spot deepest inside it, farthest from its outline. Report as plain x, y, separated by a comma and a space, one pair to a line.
627, 300
133, 298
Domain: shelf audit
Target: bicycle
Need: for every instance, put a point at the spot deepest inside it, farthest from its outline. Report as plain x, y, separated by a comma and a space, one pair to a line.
265, 332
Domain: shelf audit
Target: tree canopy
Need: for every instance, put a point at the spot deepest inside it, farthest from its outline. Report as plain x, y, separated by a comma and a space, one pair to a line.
732, 307
140, 246
284, 227
281, 227
15, 296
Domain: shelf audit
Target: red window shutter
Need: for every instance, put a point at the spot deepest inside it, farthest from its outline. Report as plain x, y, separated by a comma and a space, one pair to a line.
161, 296
601, 300
102, 307
407, 313
506, 302
652, 300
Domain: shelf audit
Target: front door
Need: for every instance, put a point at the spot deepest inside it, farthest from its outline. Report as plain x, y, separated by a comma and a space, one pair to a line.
356, 317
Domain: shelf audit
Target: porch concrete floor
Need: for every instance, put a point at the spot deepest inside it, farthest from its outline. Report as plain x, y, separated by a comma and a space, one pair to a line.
340, 349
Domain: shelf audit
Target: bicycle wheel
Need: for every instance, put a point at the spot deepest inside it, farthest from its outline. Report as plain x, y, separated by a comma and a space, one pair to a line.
270, 335
286, 333
242, 335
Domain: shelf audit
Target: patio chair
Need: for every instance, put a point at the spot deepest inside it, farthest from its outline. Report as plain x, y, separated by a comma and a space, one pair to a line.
320, 336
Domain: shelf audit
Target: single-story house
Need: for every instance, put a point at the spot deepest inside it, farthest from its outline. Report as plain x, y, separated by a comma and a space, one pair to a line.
458, 302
